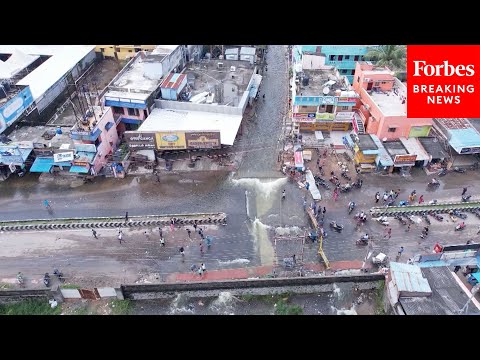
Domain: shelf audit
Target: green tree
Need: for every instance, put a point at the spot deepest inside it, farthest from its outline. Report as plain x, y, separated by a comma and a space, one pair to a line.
392, 56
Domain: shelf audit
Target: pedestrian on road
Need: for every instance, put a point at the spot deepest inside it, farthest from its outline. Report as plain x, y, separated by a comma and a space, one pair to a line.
200, 271
94, 233
182, 251
200, 231
195, 225
324, 211
304, 205
388, 232
126, 216
162, 241
307, 185
283, 195
377, 197
120, 236
203, 267
408, 227
194, 267
189, 232
420, 199
400, 251
201, 248
208, 240
145, 233
385, 196
391, 194
172, 224
160, 231
464, 191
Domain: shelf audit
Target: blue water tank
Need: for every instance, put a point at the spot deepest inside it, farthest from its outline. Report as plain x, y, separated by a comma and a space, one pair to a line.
59, 130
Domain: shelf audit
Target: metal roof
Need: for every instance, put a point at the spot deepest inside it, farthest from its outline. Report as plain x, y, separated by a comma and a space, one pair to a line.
448, 297
409, 278
433, 147
173, 81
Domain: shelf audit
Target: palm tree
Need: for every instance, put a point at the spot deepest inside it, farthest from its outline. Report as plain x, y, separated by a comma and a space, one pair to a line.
392, 56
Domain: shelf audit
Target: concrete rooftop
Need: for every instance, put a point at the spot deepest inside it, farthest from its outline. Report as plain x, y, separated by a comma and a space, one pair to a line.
208, 76
317, 82
35, 134
133, 78
90, 122
389, 103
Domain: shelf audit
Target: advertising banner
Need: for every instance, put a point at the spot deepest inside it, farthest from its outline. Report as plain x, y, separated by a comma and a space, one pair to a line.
171, 140
63, 156
203, 140
404, 159
140, 140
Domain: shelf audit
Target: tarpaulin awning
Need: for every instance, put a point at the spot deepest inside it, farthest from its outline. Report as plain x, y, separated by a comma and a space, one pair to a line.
45, 164
79, 169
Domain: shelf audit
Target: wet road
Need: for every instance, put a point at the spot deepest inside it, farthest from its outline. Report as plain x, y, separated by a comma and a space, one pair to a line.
251, 198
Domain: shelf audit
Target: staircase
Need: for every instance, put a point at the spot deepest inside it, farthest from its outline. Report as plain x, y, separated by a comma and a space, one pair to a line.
361, 128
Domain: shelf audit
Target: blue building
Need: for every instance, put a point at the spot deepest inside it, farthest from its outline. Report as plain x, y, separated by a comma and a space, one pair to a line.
343, 57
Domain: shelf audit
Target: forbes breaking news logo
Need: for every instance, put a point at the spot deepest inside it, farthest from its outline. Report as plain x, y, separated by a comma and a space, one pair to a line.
442, 81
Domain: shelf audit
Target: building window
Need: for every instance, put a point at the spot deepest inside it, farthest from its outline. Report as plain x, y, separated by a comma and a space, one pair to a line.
376, 83
118, 110
340, 57
356, 57
347, 57
102, 50
345, 107
343, 71
133, 112
358, 78
130, 50
109, 125
352, 72
332, 57
384, 82
392, 129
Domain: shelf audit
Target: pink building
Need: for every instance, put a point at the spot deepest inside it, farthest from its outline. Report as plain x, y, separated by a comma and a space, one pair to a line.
383, 104
94, 139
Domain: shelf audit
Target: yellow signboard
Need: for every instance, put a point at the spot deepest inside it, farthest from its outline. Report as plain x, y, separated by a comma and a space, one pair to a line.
171, 140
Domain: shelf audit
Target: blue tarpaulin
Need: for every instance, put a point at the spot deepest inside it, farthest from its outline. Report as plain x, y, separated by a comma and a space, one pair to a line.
45, 164
79, 169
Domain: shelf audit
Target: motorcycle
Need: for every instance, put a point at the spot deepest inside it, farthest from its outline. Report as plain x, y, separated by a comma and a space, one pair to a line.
433, 184
361, 217
442, 172
425, 217
20, 279
351, 206
382, 220
401, 219
362, 241
345, 175
458, 214
436, 216
460, 227
380, 259
465, 198
410, 220
335, 226
345, 188
358, 184
333, 179
459, 170
59, 275
46, 279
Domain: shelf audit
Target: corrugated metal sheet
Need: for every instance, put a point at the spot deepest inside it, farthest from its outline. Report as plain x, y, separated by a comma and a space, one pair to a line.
409, 278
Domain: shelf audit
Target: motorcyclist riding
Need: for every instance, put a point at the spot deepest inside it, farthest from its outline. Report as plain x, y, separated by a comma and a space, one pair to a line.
351, 205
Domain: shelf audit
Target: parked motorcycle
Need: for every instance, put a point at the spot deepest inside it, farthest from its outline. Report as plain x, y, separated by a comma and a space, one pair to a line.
459, 169
436, 216
466, 198
361, 216
335, 226
401, 219
442, 172
46, 279
382, 220
458, 214
345, 188
59, 275
345, 175
357, 184
425, 217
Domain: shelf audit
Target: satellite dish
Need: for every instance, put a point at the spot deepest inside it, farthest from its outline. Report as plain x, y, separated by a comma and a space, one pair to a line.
326, 90
384, 139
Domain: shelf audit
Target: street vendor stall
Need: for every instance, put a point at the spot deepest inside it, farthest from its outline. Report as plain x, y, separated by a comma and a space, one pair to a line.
299, 165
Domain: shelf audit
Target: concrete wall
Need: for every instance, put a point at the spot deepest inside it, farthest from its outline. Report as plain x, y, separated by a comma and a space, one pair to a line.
188, 106
129, 291
107, 136
310, 62
7, 296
